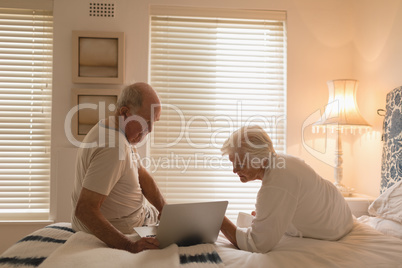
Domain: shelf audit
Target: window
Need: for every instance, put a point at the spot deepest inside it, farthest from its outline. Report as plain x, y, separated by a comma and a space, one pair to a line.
215, 71
25, 106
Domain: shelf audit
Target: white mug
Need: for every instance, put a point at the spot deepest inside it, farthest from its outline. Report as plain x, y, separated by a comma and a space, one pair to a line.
244, 220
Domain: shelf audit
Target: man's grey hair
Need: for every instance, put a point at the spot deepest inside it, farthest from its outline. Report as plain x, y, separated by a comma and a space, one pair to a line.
131, 97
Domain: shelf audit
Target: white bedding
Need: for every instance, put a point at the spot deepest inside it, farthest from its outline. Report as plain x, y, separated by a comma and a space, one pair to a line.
362, 247
385, 226
85, 250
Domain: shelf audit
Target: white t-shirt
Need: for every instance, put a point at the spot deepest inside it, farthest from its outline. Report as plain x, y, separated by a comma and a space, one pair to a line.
295, 200
109, 167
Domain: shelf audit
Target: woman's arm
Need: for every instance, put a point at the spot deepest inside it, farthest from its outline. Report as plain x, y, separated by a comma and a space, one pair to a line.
229, 230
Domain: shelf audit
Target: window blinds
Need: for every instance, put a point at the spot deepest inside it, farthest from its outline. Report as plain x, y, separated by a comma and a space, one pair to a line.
213, 75
25, 106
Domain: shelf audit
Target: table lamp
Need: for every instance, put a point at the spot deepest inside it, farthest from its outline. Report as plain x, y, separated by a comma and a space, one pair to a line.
342, 113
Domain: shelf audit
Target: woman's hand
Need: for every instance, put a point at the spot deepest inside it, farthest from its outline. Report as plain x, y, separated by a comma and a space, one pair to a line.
144, 243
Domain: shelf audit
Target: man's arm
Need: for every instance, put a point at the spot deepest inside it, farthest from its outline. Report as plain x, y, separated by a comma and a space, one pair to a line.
88, 212
150, 190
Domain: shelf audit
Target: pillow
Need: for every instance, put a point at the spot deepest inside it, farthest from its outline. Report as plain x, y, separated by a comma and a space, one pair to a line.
385, 226
389, 204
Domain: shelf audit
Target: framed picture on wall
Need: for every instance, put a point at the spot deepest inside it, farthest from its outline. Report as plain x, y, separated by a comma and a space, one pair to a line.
98, 57
92, 106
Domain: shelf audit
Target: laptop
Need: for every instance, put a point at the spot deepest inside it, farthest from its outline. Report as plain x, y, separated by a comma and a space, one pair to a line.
187, 224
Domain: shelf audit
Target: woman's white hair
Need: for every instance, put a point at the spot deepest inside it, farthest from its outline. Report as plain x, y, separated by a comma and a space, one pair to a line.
251, 140
130, 97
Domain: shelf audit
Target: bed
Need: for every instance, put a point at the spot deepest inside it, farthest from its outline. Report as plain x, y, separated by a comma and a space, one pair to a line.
375, 240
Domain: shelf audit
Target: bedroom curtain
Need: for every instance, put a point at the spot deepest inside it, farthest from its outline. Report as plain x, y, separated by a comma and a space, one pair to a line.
215, 71
26, 38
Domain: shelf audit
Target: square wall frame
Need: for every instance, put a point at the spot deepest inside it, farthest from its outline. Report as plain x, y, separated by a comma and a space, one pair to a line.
98, 57
92, 106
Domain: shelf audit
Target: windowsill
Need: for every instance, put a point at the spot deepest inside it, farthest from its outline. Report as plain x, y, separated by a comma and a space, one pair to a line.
26, 222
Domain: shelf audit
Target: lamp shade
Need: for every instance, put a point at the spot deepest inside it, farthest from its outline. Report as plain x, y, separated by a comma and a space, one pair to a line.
342, 108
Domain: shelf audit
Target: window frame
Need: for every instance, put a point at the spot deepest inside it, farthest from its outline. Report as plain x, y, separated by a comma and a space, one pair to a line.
209, 13
26, 102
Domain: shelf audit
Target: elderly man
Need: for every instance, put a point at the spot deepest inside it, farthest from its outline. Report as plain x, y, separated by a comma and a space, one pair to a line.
293, 198
110, 184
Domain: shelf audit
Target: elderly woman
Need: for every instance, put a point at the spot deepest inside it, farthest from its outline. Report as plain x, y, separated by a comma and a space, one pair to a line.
293, 198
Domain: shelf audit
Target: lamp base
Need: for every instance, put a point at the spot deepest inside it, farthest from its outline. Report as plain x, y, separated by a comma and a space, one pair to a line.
345, 191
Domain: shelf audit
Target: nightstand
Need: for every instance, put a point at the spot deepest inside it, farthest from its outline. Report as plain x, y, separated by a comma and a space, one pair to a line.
359, 203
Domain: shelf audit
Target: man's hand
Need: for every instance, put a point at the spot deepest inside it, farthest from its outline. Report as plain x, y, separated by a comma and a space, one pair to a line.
88, 212
144, 243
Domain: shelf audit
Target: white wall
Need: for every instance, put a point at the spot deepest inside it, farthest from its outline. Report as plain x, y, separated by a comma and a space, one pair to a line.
327, 39
377, 62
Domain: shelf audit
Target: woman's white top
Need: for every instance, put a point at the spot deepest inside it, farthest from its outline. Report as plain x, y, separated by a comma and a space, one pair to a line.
295, 200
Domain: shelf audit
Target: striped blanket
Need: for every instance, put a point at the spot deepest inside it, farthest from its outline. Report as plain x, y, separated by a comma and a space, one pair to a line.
33, 249
57, 245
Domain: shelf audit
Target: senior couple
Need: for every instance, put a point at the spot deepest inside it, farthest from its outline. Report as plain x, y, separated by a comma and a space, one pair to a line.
111, 185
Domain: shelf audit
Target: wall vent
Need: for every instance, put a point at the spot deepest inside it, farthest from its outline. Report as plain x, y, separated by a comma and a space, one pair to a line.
97, 9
